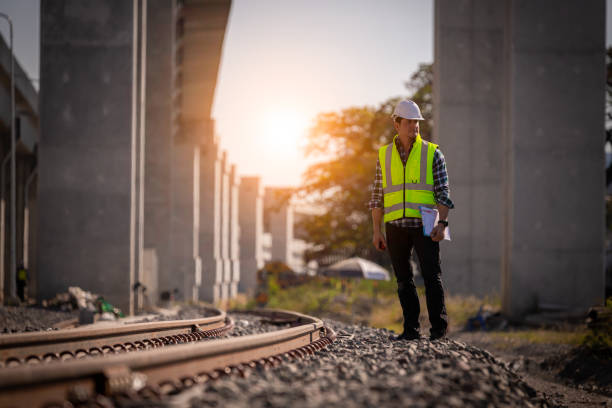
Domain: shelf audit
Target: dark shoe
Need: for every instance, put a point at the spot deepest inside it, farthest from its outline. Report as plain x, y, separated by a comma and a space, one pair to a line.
437, 335
406, 336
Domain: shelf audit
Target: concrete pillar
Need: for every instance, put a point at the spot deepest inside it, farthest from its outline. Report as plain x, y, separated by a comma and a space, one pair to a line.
266, 246
225, 226
186, 263
210, 219
469, 95
26, 215
90, 175
27, 136
519, 113
554, 177
31, 221
161, 23
201, 27
279, 220
20, 178
185, 173
251, 233
234, 232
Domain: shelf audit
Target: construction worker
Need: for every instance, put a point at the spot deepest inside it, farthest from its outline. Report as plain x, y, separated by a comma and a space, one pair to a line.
411, 172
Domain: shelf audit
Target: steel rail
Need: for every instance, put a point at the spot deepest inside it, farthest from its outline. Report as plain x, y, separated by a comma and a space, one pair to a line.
149, 373
35, 347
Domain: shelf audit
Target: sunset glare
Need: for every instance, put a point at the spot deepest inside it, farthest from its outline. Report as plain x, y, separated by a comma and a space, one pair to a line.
302, 56
284, 131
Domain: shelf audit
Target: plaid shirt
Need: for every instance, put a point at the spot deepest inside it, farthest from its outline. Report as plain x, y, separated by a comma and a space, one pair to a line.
441, 189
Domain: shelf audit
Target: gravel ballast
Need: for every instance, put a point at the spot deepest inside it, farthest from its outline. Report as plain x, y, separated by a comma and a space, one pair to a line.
362, 368
15, 319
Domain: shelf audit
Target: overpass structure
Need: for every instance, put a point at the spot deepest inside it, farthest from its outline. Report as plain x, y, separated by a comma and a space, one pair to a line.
135, 188
136, 191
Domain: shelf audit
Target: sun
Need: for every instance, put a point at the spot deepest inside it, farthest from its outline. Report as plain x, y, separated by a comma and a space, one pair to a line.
284, 131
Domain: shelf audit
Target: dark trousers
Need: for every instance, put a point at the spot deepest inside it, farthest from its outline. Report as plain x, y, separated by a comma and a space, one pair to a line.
400, 242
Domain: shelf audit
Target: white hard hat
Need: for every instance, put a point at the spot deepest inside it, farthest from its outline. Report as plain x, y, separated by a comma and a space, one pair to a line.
408, 110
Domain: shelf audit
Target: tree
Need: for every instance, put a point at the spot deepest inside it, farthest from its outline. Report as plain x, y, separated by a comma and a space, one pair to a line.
347, 143
421, 87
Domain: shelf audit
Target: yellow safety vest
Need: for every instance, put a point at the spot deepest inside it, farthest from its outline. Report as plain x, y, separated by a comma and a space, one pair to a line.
408, 187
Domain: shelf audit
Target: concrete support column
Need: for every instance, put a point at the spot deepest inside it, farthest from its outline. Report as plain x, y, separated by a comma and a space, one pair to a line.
554, 159
202, 25
91, 147
279, 214
5, 219
159, 118
186, 264
225, 226
31, 230
519, 114
27, 136
251, 233
234, 232
469, 95
210, 218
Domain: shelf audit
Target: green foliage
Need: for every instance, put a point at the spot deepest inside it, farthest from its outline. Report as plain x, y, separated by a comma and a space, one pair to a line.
512, 339
347, 143
350, 139
600, 337
273, 286
461, 308
598, 341
369, 302
312, 298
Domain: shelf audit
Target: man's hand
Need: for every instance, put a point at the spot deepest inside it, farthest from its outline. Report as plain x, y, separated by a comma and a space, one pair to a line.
379, 241
437, 233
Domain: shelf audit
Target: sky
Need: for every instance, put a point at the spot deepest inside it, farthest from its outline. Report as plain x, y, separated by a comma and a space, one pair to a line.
284, 61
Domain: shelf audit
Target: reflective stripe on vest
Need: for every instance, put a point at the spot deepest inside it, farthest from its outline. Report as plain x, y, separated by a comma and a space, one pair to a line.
406, 188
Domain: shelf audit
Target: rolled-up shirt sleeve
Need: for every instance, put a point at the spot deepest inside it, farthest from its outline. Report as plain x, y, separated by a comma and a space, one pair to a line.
376, 189
440, 176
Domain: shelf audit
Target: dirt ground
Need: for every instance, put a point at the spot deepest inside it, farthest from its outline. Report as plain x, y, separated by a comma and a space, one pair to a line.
570, 375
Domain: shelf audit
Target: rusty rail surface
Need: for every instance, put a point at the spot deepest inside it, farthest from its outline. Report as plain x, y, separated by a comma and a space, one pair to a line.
37, 347
150, 374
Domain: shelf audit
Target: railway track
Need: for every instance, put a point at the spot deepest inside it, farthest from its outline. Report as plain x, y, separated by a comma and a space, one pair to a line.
149, 374
39, 347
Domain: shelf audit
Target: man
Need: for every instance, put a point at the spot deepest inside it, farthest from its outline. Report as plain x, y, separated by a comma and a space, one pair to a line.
410, 173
